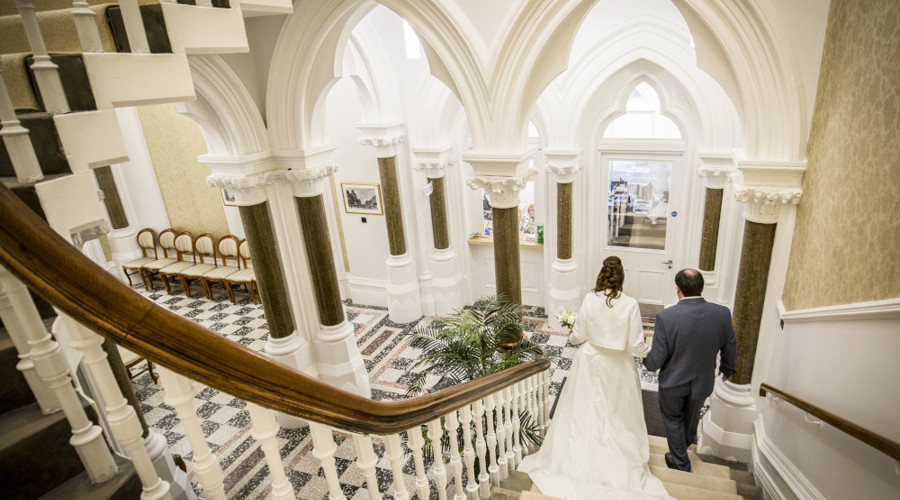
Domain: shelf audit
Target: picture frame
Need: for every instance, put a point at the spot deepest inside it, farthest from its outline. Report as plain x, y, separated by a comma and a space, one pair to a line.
229, 199
362, 198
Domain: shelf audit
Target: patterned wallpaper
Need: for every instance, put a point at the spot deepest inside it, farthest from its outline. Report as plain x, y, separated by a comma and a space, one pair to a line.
846, 246
175, 142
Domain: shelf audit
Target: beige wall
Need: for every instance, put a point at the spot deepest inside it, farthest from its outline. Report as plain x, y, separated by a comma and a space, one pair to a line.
174, 142
846, 246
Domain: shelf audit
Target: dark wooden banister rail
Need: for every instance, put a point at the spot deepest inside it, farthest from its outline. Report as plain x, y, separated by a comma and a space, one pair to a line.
877, 441
58, 272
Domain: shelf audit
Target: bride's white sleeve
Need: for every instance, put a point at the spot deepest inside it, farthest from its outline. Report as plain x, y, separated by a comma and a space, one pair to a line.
579, 330
636, 333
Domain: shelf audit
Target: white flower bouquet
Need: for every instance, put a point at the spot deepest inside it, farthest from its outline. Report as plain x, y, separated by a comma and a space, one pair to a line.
567, 318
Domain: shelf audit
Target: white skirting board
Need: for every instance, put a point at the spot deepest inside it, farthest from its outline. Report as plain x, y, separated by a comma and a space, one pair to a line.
368, 292
775, 473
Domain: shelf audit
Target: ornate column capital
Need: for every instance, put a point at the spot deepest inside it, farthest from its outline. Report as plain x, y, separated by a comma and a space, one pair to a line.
763, 204
563, 164
306, 169
504, 191
311, 181
499, 164
766, 186
242, 178
384, 137
434, 162
715, 170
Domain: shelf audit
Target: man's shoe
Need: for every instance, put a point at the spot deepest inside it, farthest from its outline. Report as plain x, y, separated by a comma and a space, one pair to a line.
670, 462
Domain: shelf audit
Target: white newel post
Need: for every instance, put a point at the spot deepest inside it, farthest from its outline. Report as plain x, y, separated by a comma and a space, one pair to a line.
123, 421
435, 431
452, 423
25, 327
265, 431
565, 290
45, 71
179, 394
366, 458
17, 141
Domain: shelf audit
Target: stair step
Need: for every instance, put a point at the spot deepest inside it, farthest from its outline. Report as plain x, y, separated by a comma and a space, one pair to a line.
35, 455
47, 146
14, 393
704, 482
697, 466
743, 477
685, 492
125, 484
531, 495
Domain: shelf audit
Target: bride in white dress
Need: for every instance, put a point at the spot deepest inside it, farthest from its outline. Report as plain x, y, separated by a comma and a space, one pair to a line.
597, 444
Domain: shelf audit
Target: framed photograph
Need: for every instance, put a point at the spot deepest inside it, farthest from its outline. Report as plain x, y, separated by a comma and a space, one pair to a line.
362, 198
228, 198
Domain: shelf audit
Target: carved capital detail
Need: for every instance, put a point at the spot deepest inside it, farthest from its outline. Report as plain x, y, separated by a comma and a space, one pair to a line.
434, 169
384, 138
310, 182
763, 204
564, 171
504, 191
716, 177
242, 190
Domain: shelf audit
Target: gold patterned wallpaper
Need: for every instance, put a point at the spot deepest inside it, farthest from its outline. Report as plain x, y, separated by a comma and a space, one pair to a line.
846, 245
175, 142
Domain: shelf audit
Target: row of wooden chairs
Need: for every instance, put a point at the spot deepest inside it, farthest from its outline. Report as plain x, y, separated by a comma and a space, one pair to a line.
203, 259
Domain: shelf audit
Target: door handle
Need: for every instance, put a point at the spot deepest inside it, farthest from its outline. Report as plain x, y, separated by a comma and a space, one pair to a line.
668, 263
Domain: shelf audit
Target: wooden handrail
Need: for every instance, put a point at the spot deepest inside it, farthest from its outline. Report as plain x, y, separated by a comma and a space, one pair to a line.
59, 273
877, 441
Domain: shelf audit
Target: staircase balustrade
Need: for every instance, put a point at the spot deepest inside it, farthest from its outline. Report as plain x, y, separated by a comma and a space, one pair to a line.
17, 141
46, 73
86, 26
134, 26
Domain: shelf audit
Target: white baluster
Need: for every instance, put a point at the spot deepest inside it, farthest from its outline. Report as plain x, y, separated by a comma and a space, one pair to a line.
517, 422
366, 458
45, 71
452, 425
134, 26
545, 385
265, 431
121, 416
532, 406
501, 435
323, 449
394, 452
493, 469
484, 484
440, 472
86, 25
23, 322
179, 394
465, 419
416, 442
18, 143
508, 427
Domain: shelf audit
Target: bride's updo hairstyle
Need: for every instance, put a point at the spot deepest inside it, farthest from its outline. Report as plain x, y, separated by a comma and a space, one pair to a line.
610, 279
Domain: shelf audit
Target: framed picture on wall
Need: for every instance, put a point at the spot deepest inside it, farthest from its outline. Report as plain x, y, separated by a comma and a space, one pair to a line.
228, 198
362, 198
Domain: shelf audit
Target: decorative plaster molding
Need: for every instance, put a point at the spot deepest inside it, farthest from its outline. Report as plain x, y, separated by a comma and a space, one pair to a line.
716, 176
859, 311
244, 190
563, 163
311, 181
764, 203
383, 137
434, 162
504, 191
776, 468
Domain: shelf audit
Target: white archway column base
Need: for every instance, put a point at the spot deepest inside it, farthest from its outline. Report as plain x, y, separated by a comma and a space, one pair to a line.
179, 485
564, 292
445, 282
727, 428
293, 352
403, 289
123, 243
339, 360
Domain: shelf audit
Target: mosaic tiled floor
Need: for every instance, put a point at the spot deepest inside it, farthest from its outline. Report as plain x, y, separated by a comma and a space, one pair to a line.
226, 423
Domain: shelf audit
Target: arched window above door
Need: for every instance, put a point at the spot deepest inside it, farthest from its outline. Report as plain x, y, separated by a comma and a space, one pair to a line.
642, 118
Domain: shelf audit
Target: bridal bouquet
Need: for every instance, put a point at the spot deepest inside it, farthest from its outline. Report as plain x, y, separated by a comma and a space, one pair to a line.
567, 318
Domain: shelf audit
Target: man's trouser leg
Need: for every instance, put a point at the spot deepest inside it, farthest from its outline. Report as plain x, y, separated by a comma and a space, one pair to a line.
673, 404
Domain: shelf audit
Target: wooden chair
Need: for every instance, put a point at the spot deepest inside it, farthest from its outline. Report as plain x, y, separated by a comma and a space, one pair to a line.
184, 245
246, 276
146, 240
227, 248
167, 244
130, 360
204, 262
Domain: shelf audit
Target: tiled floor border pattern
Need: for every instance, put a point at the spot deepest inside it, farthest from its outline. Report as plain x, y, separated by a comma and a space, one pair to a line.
226, 422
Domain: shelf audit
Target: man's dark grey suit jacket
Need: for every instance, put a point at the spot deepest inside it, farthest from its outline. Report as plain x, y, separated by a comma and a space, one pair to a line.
686, 339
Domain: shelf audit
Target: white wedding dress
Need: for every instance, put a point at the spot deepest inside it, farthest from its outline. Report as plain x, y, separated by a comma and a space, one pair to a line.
597, 445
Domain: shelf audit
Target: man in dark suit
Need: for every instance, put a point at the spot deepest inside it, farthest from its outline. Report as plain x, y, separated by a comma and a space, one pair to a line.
686, 339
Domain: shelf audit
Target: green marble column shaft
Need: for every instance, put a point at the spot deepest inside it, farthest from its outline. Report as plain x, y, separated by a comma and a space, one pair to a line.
321, 259
390, 190
111, 197
709, 239
753, 274
439, 215
506, 253
564, 220
266, 264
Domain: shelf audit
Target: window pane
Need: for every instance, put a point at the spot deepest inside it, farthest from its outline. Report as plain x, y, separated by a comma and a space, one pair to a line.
638, 203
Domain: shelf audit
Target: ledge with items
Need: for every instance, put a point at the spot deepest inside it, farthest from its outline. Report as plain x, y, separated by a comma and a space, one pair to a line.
172, 255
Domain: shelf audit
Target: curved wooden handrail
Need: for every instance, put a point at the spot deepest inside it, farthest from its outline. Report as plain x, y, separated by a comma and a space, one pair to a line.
59, 273
877, 441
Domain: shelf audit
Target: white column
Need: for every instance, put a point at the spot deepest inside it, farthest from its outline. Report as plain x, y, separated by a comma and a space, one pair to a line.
121, 416
24, 324
565, 289
45, 71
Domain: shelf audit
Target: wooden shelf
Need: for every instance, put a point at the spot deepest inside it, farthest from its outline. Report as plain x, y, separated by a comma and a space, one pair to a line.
489, 240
